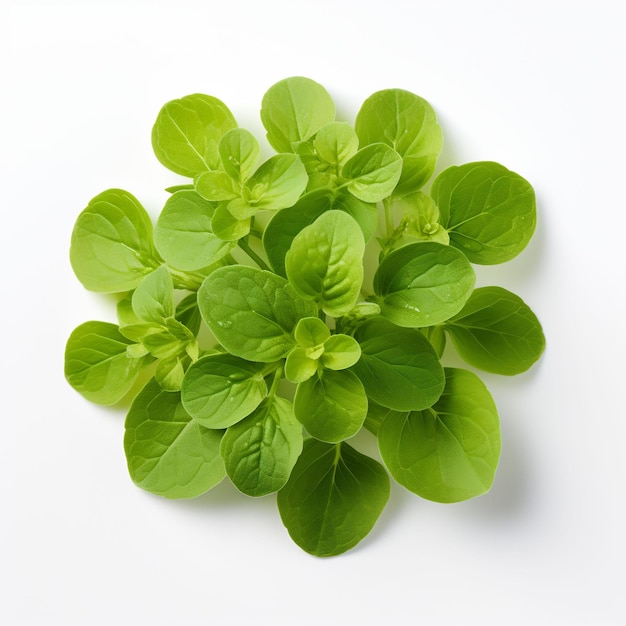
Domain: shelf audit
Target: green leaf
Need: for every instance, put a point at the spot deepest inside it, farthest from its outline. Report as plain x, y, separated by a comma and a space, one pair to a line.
153, 300
187, 133
373, 172
437, 338
184, 236
311, 332
252, 312
489, 211
228, 227
418, 218
187, 313
167, 452
170, 372
448, 453
325, 262
111, 248
497, 332
220, 389
331, 405
340, 352
299, 366
278, 183
293, 110
398, 367
336, 142
124, 308
96, 363
333, 498
216, 186
408, 124
239, 152
423, 284
260, 451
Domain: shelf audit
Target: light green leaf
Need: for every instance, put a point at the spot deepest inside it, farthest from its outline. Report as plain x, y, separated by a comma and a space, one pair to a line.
167, 452
311, 332
408, 124
278, 183
221, 389
340, 352
293, 110
124, 308
228, 227
184, 236
333, 498
325, 262
153, 300
436, 336
239, 151
418, 218
331, 405
97, 365
336, 142
398, 367
260, 451
448, 453
188, 314
489, 211
111, 248
216, 186
252, 312
373, 172
496, 331
423, 284
299, 366
170, 372
187, 133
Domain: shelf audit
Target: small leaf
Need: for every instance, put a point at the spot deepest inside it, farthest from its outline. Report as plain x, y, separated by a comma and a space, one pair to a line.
423, 284
239, 152
497, 332
187, 133
187, 313
220, 389
167, 452
111, 248
406, 123
97, 364
293, 110
333, 498
311, 332
373, 172
489, 211
336, 142
153, 300
340, 352
216, 186
170, 372
228, 227
325, 262
299, 366
448, 453
260, 451
278, 183
331, 405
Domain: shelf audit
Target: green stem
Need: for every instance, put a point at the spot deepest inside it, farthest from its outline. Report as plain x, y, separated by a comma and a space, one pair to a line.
388, 218
243, 244
278, 374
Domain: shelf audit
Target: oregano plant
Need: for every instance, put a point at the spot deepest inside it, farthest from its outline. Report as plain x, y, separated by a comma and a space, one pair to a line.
259, 340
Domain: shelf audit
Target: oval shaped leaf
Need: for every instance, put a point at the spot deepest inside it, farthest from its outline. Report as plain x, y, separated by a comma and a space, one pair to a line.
331, 405
398, 367
423, 284
450, 452
336, 142
184, 236
252, 312
111, 248
97, 364
187, 133
293, 110
167, 452
239, 151
496, 331
153, 300
333, 498
488, 210
409, 125
325, 262
278, 183
260, 451
373, 172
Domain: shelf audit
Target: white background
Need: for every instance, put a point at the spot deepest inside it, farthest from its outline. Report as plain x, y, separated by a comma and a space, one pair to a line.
537, 86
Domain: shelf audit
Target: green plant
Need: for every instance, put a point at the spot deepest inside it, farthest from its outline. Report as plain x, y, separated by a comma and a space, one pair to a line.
263, 344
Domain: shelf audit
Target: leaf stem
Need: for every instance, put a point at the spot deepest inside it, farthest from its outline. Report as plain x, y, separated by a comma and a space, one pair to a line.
243, 244
278, 374
388, 218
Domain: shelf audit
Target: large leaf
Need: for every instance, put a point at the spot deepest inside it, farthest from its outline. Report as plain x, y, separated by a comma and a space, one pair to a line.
423, 284
333, 498
496, 331
221, 389
111, 248
398, 367
187, 133
489, 211
325, 262
167, 452
97, 364
252, 312
260, 451
293, 110
408, 124
450, 452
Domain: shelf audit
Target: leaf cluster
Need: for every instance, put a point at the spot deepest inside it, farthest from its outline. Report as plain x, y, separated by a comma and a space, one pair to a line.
262, 344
